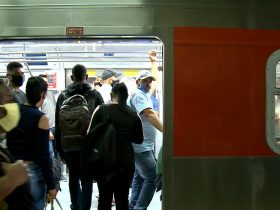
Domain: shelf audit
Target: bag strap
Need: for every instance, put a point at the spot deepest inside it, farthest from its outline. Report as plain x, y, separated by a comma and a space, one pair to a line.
90, 98
52, 204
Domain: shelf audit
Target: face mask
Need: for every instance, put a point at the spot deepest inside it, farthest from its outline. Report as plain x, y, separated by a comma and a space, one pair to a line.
115, 82
98, 83
17, 80
11, 119
142, 87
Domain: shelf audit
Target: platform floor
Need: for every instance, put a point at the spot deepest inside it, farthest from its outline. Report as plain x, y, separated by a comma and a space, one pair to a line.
64, 198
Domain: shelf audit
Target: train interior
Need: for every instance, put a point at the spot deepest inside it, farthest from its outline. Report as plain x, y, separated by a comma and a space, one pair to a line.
56, 57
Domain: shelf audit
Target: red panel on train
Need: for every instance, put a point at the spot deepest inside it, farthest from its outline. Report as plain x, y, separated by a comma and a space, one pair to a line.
219, 91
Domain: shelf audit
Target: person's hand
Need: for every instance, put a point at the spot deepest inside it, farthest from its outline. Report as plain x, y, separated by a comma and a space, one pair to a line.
52, 194
17, 172
153, 56
51, 136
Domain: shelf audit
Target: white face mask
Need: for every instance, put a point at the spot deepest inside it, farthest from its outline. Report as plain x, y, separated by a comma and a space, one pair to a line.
11, 119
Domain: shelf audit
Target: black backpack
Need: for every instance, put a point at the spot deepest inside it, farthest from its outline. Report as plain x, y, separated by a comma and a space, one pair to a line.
99, 159
74, 117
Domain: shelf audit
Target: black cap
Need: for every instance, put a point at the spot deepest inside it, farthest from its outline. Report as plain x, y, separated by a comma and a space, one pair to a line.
109, 73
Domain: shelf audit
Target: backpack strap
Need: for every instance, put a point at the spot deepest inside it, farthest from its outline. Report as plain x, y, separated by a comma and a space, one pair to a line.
64, 95
90, 97
108, 117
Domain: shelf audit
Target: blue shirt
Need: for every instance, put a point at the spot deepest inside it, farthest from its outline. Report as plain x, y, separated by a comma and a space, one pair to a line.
155, 103
139, 102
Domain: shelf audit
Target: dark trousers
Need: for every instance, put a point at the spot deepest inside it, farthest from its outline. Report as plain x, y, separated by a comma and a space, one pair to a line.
119, 186
80, 195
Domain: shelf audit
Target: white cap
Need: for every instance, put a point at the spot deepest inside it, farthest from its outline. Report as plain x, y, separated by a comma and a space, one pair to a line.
144, 74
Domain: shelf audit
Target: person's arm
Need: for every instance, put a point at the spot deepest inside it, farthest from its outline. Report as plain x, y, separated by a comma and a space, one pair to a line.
98, 99
143, 106
154, 70
43, 155
15, 174
153, 118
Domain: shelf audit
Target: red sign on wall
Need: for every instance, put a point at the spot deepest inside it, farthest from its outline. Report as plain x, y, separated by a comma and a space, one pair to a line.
74, 31
52, 80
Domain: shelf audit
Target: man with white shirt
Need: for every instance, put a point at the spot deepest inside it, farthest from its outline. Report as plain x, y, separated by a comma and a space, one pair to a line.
109, 78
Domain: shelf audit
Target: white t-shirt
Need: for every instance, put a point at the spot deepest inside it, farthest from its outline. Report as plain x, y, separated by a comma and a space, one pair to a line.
105, 91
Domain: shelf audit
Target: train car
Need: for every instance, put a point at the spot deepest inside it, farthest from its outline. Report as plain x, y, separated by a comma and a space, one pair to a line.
220, 63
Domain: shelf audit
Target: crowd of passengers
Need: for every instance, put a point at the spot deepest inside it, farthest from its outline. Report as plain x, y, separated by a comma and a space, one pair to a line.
29, 122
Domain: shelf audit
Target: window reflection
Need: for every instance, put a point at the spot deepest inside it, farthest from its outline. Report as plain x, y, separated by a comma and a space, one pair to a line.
278, 75
277, 118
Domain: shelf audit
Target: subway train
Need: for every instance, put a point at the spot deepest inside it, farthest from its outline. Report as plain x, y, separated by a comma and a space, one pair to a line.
220, 69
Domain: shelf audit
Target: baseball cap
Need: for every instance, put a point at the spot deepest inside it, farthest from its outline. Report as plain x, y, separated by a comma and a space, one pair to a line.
144, 74
109, 73
11, 119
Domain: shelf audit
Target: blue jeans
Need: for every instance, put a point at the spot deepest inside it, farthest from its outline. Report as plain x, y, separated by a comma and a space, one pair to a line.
37, 186
80, 195
51, 149
51, 146
143, 184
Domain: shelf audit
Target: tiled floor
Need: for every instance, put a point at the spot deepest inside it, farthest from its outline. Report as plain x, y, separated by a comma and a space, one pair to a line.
64, 199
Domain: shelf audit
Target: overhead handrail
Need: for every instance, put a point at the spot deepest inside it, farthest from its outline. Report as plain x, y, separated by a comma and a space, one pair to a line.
72, 57
55, 52
74, 60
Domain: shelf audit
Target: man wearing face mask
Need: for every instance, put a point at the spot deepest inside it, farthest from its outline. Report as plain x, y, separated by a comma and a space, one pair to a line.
15, 76
109, 78
143, 184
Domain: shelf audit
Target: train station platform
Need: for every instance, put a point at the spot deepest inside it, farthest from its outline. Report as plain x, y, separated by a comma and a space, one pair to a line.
64, 198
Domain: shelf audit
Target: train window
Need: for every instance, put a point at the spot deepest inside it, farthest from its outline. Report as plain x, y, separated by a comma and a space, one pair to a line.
273, 102
57, 56
277, 119
277, 75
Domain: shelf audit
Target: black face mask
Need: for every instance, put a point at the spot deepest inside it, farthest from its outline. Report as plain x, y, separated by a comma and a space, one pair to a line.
115, 82
17, 80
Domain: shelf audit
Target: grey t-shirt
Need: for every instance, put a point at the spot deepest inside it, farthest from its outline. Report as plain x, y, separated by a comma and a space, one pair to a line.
20, 96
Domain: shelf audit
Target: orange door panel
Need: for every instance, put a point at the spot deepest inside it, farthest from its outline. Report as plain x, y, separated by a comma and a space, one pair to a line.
219, 91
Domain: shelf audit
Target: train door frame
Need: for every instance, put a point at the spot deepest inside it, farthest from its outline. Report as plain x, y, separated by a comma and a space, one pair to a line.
165, 35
